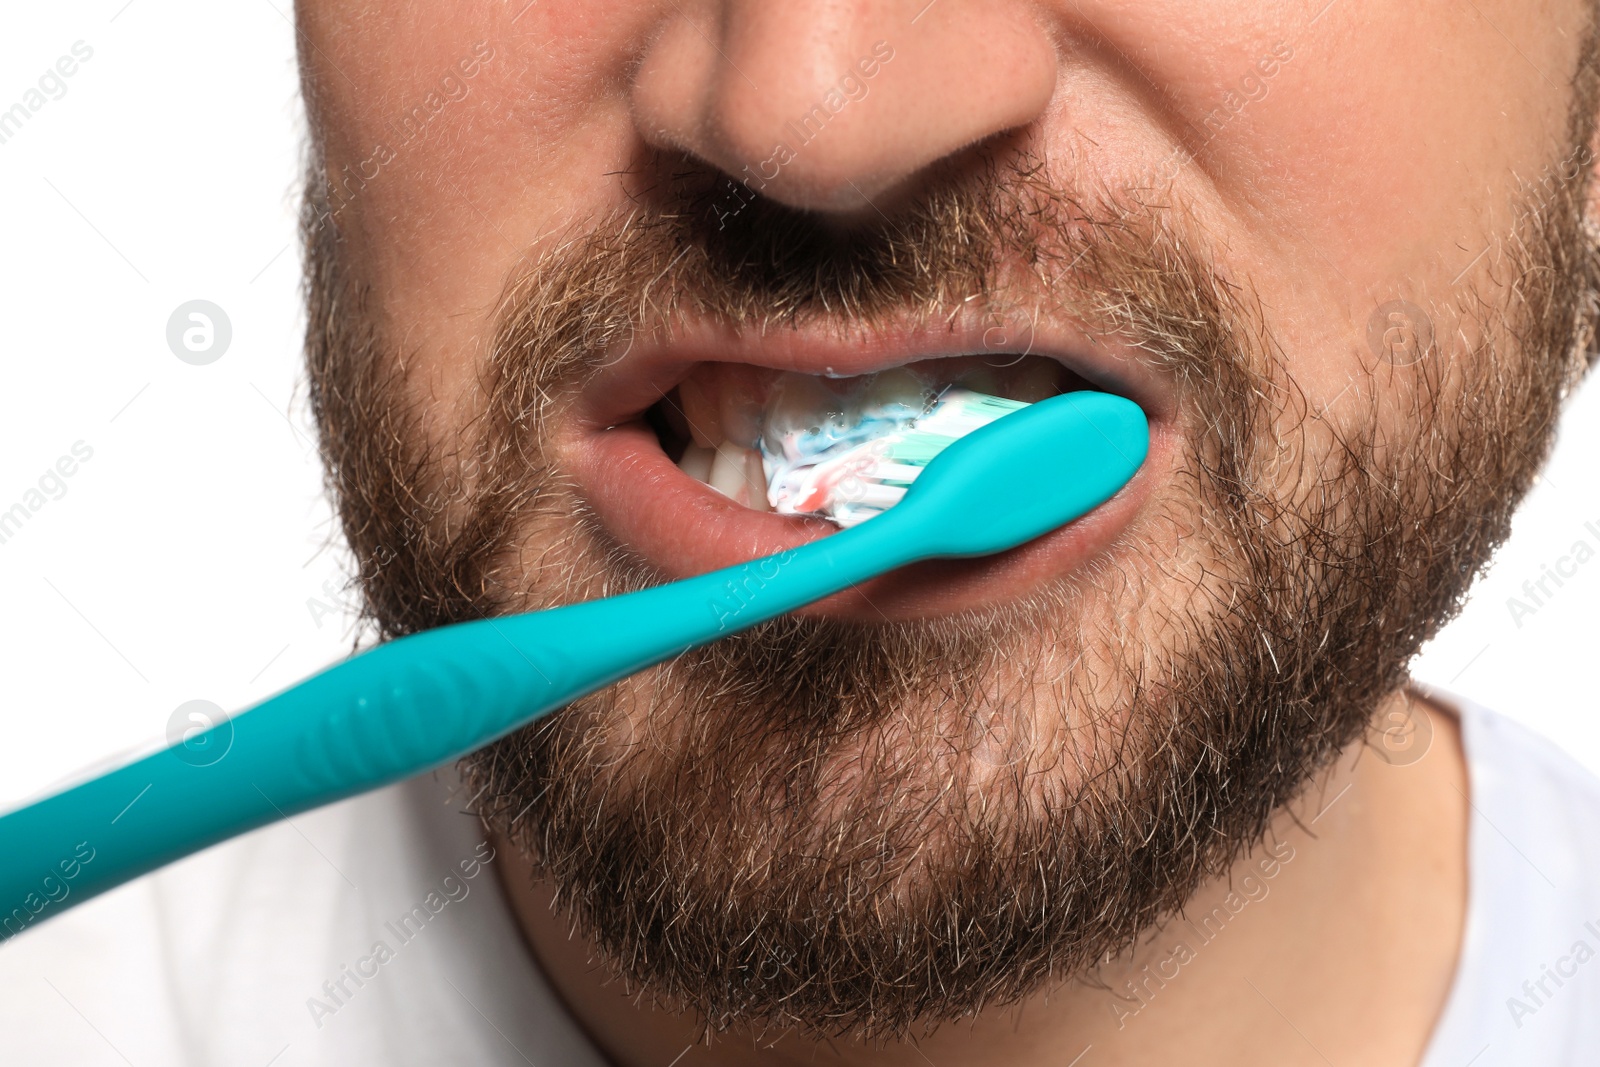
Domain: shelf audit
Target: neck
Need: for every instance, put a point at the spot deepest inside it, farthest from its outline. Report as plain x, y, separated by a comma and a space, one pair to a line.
1333, 941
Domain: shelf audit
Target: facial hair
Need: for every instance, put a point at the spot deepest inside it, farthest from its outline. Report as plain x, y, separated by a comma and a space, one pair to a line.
853, 828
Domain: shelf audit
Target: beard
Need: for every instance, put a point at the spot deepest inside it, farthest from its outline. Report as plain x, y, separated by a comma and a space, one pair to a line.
853, 828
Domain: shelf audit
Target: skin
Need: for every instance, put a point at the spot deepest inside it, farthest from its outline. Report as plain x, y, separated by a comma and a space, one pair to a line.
1376, 161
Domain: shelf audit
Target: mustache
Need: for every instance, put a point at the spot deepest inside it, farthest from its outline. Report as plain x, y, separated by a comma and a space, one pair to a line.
694, 240
997, 237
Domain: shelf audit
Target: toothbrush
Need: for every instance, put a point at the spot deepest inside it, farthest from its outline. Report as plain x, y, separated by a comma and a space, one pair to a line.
424, 700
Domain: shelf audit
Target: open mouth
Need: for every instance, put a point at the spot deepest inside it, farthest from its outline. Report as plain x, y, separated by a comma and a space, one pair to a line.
674, 450
739, 428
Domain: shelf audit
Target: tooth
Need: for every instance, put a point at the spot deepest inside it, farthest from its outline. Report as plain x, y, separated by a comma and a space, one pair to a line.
741, 390
700, 411
755, 481
728, 473
798, 402
696, 462
896, 386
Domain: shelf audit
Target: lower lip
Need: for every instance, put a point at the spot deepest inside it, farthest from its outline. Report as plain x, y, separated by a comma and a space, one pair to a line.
683, 527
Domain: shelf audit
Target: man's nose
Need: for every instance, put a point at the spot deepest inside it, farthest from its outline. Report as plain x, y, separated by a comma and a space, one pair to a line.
829, 104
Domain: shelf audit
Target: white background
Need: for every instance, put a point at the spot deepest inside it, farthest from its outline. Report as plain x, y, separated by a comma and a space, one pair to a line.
191, 557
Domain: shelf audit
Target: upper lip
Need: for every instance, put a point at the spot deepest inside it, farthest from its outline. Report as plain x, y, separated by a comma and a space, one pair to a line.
627, 385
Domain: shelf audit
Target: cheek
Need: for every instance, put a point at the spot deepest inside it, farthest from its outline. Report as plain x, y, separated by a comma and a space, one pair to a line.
1375, 162
1385, 170
443, 223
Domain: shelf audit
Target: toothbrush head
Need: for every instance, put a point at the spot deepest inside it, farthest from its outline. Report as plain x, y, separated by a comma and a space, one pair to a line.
868, 472
1025, 474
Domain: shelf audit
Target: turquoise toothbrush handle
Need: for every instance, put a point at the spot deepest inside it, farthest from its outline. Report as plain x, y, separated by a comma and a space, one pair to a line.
421, 701
392, 712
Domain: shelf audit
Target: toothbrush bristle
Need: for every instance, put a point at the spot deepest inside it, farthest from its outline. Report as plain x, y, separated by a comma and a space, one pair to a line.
850, 484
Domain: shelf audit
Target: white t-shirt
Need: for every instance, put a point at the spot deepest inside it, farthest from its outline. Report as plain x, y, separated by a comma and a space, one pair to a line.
374, 932
1527, 988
